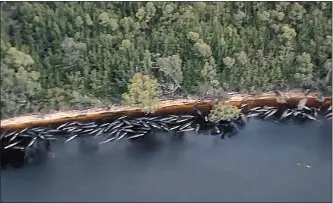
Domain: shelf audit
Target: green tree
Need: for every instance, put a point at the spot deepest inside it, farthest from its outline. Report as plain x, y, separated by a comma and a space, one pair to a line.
142, 93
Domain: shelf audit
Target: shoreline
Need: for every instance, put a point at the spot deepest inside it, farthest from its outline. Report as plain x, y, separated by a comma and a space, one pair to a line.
176, 106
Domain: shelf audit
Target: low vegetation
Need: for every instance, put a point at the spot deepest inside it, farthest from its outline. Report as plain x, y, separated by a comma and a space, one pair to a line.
224, 112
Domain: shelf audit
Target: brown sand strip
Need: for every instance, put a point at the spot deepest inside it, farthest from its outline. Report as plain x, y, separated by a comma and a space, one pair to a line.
179, 106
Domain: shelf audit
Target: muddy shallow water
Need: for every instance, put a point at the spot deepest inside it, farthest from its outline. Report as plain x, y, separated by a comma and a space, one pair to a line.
266, 161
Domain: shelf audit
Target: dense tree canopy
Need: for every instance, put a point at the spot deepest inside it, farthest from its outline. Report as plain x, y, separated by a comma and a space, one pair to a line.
67, 55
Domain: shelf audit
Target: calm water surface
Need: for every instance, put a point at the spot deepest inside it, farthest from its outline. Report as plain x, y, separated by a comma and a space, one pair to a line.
265, 162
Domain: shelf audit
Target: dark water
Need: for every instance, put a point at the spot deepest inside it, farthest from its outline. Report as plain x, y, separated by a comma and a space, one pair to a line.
263, 163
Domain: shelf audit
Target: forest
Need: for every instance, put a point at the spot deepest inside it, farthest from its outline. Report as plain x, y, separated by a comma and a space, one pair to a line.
76, 55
